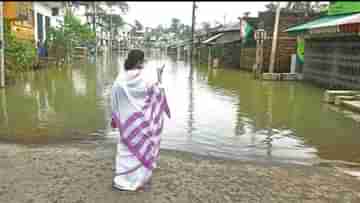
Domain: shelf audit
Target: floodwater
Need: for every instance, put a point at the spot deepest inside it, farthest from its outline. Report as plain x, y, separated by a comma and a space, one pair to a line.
215, 112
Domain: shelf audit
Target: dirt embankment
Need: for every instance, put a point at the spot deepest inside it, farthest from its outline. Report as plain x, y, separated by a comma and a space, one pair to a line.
78, 173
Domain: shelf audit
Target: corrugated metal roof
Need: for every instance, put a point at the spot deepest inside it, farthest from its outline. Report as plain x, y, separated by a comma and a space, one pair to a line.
231, 27
355, 18
321, 22
228, 37
213, 38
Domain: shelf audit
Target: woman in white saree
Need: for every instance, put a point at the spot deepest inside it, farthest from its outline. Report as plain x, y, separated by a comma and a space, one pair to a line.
138, 109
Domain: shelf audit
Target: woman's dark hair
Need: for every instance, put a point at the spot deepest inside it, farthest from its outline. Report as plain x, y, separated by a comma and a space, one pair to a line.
134, 57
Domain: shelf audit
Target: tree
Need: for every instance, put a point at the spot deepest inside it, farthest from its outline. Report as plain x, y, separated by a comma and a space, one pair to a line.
205, 26
138, 25
72, 33
271, 6
160, 29
303, 6
122, 5
175, 25
117, 20
247, 14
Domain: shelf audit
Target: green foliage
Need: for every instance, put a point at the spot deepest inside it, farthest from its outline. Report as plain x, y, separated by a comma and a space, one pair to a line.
73, 29
19, 54
72, 33
116, 20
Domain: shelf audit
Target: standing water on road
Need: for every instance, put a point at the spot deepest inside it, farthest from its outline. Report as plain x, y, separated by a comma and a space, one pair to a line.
215, 112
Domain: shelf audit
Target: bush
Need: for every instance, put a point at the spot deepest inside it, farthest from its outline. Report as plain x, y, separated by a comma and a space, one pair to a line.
20, 55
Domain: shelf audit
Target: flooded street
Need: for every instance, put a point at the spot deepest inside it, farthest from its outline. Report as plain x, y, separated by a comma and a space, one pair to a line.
219, 112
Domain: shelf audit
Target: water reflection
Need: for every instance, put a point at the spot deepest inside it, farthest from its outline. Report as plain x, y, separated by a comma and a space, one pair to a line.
191, 103
4, 110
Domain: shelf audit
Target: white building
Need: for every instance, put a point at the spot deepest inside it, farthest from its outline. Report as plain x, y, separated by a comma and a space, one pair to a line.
47, 14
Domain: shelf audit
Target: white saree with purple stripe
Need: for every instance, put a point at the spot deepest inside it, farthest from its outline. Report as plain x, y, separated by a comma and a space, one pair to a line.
138, 111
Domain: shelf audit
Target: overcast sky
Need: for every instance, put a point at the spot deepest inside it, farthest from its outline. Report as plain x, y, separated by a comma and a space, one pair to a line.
154, 13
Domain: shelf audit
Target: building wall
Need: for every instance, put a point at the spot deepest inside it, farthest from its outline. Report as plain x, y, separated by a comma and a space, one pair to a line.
286, 45
228, 54
333, 62
55, 21
248, 58
22, 29
231, 55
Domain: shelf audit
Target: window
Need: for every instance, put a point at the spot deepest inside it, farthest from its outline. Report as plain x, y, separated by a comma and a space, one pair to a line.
55, 11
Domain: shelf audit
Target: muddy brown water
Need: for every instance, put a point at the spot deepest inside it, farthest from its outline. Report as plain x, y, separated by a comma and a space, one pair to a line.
215, 112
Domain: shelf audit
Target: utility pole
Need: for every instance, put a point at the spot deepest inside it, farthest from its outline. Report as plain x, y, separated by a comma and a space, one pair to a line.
111, 31
274, 40
93, 15
192, 32
2, 46
96, 37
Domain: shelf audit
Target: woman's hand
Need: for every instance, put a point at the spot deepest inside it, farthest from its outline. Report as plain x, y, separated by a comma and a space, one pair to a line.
113, 123
160, 72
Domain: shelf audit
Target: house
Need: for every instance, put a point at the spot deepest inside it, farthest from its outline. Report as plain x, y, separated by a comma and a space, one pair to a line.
125, 36
21, 18
224, 46
138, 37
46, 14
332, 46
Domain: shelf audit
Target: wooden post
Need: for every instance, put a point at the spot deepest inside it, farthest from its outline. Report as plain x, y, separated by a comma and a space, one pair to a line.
274, 40
261, 58
178, 53
240, 39
2, 46
199, 57
257, 61
209, 57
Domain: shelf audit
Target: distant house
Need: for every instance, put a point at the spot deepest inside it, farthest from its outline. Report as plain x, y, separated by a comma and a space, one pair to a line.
223, 45
126, 36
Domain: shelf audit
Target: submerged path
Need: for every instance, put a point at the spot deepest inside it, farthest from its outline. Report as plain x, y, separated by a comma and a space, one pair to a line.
79, 173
